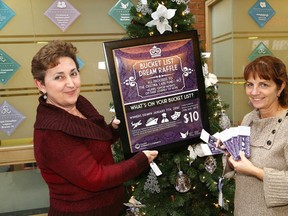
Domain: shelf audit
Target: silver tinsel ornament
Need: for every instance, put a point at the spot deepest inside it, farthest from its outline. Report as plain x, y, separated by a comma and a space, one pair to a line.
151, 183
143, 8
224, 121
182, 183
210, 164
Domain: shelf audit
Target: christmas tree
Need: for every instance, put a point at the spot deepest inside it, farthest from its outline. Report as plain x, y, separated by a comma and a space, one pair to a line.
182, 19
190, 182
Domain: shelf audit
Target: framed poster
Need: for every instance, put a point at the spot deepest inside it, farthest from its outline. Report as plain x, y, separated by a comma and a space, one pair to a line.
158, 91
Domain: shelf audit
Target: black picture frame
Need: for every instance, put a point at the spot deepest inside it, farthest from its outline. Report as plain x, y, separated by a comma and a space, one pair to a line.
158, 91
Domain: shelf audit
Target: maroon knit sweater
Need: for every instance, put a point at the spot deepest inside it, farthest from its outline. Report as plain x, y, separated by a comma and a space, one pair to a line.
75, 159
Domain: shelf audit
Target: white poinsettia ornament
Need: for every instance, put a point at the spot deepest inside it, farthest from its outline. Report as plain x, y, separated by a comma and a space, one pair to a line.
210, 79
161, 17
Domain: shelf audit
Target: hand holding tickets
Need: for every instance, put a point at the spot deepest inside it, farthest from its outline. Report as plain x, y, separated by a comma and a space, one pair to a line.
235, 139
210, 148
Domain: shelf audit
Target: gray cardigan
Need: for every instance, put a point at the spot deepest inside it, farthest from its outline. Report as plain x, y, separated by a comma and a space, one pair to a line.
269, 151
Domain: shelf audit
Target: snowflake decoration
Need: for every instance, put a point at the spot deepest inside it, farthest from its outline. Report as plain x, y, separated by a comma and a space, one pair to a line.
181, 1
143, 8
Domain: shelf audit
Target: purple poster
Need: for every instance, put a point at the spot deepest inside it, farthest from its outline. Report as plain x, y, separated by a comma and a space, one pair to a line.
159, 92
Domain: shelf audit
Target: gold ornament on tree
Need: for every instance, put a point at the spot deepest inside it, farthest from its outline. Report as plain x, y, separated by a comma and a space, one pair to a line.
224, 121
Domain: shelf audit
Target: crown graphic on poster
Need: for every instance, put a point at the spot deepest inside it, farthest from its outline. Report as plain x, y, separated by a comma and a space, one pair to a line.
155, 52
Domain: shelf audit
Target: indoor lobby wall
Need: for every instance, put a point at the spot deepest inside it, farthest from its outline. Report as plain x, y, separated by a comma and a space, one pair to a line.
234, 35
26, 33
21, 38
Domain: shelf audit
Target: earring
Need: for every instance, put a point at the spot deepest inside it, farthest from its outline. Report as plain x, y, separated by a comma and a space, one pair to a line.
45, 96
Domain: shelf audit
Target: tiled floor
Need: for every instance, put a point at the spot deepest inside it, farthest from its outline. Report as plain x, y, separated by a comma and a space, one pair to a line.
39, 214
32, 212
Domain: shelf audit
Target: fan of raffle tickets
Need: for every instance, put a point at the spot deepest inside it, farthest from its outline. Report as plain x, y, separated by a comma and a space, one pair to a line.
191, 182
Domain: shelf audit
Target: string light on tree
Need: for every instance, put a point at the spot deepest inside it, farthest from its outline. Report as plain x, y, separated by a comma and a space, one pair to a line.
203, 194
148, 11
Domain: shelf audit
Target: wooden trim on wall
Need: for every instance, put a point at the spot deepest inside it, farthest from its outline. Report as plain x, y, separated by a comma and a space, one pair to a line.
17, 155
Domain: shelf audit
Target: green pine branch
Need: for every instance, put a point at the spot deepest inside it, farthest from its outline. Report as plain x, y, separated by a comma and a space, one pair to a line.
202, 198
181, 21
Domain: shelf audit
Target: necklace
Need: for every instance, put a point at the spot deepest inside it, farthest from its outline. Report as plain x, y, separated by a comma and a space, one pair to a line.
77, 113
